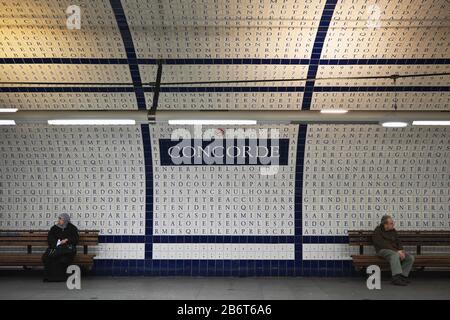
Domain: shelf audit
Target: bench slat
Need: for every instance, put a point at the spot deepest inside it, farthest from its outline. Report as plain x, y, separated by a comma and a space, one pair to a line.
14, 238
44, 231
412, 238
35, 259
41, 243
419, 261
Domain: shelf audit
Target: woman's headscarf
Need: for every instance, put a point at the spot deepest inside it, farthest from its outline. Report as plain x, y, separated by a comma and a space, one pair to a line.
66, 219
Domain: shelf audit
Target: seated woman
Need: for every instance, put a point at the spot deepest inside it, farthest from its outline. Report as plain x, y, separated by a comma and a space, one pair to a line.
62, 246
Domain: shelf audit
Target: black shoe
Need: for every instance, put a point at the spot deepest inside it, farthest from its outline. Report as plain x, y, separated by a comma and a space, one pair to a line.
398, 281
405, 279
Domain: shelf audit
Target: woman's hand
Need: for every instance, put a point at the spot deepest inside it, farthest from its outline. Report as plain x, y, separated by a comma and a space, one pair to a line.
402, 254
64, 241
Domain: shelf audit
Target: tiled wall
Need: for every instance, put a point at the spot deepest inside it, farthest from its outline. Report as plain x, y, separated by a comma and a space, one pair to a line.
97, 175
161, 219
355, 174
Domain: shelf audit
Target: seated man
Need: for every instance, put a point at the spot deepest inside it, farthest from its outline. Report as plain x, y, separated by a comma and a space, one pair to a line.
388, 246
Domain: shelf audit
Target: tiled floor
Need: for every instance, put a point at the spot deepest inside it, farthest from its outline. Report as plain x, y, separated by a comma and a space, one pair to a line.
31, 287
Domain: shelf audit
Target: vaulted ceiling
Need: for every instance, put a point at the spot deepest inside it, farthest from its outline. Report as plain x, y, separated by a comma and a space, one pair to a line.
127, 52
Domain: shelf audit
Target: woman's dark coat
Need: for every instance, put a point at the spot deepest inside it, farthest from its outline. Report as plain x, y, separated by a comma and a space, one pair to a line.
57, 258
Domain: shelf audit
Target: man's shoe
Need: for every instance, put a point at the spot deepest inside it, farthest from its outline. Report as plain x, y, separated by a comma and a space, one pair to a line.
405, 279
398, 281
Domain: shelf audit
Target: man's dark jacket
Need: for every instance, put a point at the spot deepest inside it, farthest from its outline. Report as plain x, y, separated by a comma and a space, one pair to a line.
383, 239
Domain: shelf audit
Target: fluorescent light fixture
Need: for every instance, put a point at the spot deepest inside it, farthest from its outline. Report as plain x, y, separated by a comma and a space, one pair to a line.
7, 123
90, 122
337, 111
431, 123
8, 109
213, 122
394, 124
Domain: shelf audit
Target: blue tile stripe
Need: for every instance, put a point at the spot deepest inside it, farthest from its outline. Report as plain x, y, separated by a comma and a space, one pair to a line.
232, 89
228, 61
319, 41
383, 61
220, 268
325, 239
67, 89
127, 39
382, 89
374, 61
121, 239
195, 267
223, 239
147, 147
63, 61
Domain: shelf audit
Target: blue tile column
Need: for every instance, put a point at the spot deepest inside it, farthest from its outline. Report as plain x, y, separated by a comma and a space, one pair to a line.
314, 62
147, 265
127, 39
299, 167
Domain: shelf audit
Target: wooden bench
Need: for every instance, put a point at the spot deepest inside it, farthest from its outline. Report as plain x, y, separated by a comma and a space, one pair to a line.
38, 238
418, 239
